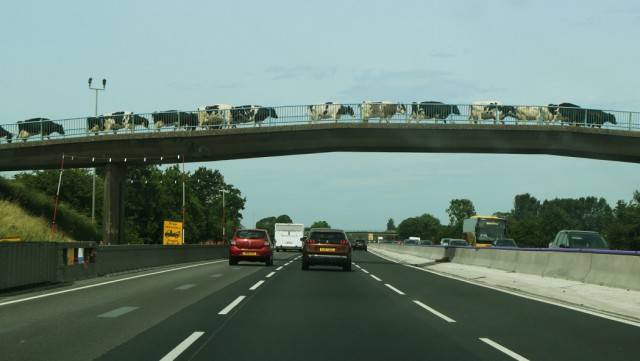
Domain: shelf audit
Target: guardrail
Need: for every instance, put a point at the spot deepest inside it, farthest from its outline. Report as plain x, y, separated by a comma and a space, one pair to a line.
618, 269
32, 263
403, 113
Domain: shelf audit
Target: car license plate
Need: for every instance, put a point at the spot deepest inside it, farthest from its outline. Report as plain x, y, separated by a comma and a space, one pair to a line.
325, 249
249, 253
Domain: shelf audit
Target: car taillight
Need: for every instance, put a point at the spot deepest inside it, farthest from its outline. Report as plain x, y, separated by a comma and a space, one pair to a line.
310, 241
266, 243
344, 241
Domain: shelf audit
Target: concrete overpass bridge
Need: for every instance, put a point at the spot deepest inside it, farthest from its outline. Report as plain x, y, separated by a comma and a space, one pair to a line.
294, 135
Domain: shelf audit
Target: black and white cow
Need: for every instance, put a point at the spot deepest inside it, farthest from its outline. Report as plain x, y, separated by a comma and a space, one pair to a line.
571, 113
38, 126
255, 114
214, 116
175, 119
432, 110
384, 110
5, 134
329, 110
482, 110
539, 114
115, 121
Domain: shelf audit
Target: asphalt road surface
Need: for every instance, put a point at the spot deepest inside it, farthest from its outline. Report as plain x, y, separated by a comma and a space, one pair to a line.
380, 310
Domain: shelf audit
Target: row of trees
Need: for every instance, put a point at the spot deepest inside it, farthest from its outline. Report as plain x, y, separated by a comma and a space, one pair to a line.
533, 223
152, 196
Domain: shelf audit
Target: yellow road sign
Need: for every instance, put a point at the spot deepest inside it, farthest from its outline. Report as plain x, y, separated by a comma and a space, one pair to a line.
172, 233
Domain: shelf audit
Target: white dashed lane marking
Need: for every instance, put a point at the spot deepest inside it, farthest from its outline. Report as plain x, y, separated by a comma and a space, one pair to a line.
118, 312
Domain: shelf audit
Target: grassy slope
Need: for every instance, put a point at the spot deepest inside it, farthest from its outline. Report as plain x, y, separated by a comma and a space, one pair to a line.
15, 222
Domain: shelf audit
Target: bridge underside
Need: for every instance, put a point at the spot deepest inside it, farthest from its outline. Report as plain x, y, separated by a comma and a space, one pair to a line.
116, 152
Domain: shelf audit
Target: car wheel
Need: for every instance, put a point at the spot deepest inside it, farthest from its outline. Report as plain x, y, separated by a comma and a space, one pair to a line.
305, 265
269, 261
233, 261
347, 267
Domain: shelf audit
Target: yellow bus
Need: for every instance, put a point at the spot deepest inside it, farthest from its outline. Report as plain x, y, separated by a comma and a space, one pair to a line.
482, 231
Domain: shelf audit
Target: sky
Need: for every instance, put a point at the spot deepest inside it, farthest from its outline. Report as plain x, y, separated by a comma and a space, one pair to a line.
158, 55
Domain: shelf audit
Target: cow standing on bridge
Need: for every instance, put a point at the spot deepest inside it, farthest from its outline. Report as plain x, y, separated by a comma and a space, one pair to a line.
483, 110
38, 126
115, 121
5, 134
432, 110
175, 119
539, 114
215, 116
255, 114
329, 110
576, 115
384, 110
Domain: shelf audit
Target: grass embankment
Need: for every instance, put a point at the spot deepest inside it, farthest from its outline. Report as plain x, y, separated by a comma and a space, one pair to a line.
27, 214
15, 222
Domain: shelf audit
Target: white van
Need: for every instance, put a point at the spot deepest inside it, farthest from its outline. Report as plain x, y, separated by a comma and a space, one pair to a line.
287, 236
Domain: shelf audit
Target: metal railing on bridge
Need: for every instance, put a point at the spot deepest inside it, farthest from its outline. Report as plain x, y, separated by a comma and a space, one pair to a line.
224, 117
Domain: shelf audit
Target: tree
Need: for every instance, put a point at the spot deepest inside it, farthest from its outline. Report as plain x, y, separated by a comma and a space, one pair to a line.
425, 226
391, 225
458, 211
320, 224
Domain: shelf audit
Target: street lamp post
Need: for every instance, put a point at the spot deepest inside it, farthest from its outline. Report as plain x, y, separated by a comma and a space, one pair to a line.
224, 225
93, 194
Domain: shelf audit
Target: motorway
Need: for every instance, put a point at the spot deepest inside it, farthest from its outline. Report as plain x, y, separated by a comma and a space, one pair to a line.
381, 310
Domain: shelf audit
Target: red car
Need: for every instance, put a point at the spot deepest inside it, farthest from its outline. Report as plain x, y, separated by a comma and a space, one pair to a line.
252, 245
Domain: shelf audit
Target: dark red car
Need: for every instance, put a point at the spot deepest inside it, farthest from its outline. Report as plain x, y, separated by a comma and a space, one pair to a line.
252, 245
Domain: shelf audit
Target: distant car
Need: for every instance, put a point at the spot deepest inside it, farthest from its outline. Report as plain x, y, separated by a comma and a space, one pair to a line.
360, 244
410, 241
326, 247
252, 245
425, 242
457, 242
579, 239
505, 242
444, 241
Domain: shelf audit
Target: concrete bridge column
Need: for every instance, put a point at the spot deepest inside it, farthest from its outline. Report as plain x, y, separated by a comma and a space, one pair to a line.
113, 214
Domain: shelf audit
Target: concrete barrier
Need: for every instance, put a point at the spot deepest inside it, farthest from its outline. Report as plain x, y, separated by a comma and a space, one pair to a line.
532, 262
568, 265
505, 260
615, 271
31, 263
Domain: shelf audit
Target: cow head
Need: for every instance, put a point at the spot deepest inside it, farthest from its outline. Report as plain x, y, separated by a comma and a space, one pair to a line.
455, 110
401, 109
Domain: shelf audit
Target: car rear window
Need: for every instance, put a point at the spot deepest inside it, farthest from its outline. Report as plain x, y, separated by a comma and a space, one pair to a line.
250, 234
328, 237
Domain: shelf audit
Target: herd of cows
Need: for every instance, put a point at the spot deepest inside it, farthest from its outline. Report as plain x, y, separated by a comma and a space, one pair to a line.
220, 116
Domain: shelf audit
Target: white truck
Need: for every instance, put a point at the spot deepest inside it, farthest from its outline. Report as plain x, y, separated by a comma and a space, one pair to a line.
287, 236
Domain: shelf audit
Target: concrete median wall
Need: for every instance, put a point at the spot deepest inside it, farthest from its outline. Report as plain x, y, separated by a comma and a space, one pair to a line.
618, 269
31, 263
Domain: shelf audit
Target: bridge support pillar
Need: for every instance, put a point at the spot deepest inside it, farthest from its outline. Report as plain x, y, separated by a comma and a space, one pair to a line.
113, 215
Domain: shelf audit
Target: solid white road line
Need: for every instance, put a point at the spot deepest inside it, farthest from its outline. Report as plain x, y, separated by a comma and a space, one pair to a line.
182, 346
364, 270
375, 278
434, 311
231, 305
256, 285
270, 274
514, 355
395, 289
